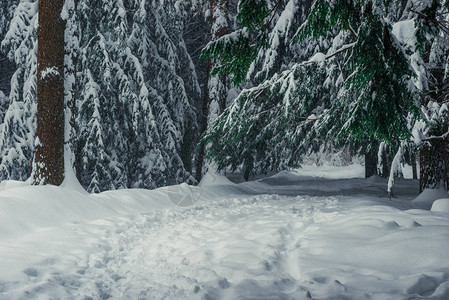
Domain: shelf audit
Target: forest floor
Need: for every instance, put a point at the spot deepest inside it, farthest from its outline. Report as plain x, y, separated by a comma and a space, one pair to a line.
315, 233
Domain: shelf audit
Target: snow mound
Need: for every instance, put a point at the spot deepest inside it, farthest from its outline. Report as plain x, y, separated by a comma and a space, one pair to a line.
229, 241
428, 196
405, 32
213, 178
10, 184
25, 209
318, 57
441, 205
183, 194
332, 172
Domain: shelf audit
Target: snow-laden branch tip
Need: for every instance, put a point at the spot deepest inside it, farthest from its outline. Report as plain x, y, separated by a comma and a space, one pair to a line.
53, 71
320, 57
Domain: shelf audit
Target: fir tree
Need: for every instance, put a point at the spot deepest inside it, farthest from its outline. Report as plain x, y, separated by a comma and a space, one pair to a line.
17, 132
376, 97
363, 107
431, 52
265, 119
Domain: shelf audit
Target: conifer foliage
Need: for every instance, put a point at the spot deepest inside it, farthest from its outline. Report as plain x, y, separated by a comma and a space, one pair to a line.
368, 76
373, 78
18, 127
376, 97
130, 90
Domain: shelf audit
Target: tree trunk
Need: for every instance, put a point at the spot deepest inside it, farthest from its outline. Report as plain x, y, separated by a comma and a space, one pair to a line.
414, 167
203, 127
370, 164
385, 165
247, 167
49, 155
434, 165
186, 148
214, 101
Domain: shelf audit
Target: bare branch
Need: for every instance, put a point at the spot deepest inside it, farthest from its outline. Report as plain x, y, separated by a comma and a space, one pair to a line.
440, 137
342, 49
352, 31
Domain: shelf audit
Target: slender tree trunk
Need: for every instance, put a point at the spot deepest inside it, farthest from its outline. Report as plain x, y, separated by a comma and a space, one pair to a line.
385, 165
248, 167
371, 150
186, 148
49, 155
203, 127
414, 167
370, 164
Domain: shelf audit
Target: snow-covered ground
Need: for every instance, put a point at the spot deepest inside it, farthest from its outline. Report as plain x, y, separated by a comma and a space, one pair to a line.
316, 233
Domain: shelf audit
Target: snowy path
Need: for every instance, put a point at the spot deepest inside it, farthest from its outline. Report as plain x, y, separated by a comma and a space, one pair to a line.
242, 247
198, 251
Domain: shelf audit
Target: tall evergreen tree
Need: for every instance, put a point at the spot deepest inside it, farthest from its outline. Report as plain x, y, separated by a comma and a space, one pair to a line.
431, 51
17, 132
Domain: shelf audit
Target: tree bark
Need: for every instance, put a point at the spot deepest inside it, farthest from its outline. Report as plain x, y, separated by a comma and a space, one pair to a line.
247, 167
49, 155
370, 164
414, 167
186, 148
385, 165
199, 163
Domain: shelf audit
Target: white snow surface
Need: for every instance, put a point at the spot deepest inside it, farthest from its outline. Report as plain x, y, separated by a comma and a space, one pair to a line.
405, 32
441, 205
318, 57
295, 235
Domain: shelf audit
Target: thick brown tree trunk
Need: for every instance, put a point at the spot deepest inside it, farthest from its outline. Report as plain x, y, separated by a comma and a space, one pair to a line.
49, 156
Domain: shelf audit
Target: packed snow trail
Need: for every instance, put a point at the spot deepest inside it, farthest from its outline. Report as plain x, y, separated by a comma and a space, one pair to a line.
198, 252
241, 246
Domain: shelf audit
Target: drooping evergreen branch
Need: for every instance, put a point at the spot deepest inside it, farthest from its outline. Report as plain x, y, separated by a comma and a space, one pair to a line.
272, 11
443, 27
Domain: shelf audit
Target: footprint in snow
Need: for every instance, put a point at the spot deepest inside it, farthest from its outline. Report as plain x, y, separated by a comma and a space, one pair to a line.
31, 272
